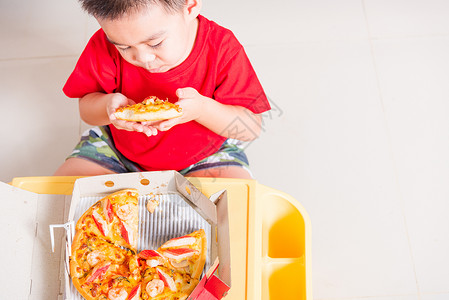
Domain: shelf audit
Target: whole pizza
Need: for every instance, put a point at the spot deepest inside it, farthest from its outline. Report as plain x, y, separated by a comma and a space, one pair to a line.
105, 263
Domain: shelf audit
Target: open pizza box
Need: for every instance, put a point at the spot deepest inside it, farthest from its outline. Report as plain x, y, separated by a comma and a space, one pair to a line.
182, 209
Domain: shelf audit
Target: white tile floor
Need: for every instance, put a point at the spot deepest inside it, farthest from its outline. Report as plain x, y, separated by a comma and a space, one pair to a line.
359, 133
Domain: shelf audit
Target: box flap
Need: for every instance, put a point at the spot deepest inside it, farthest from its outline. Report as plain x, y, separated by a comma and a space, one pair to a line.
18, 229
224, 243
24, 222
196, 199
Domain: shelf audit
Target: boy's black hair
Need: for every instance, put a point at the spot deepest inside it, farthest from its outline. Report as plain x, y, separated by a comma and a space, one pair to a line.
113, 9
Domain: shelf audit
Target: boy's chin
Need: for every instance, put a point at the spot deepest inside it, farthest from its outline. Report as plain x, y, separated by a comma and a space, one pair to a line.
157, 70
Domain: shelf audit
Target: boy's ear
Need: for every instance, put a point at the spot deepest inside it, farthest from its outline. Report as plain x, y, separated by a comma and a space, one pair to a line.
193, 8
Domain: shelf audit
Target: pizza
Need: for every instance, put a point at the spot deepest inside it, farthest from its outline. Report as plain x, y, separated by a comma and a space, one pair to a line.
114, 218
105, 263
150, 109
173, 271
102, 270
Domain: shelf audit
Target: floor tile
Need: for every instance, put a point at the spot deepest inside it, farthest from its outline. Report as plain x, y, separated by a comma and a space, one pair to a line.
40, 28
401, 297
402, 18
263, 22
435, 296
413, 77
329, 149
42, 125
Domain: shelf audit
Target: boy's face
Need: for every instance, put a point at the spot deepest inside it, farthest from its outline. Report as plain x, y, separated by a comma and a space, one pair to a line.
153, 39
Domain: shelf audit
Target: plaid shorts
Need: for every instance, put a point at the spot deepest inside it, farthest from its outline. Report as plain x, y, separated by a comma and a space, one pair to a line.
96, 145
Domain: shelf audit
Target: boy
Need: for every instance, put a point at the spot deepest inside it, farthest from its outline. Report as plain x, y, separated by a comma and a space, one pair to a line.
163, 48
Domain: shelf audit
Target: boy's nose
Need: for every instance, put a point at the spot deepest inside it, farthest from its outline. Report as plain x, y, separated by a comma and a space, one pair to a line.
145, 57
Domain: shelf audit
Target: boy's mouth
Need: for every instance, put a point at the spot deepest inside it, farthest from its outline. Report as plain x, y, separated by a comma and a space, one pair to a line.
154, 70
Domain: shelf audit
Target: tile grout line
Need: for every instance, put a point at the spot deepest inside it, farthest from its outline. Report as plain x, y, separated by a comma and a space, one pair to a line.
354, 39
390, 145
38, 57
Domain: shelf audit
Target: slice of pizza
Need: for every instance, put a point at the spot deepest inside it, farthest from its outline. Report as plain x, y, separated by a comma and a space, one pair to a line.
163, 283
173, 271
186, 254
101, 270
114, 218
150, 109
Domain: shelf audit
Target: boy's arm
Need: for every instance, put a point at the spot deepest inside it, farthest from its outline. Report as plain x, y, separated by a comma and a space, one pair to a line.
98, 109
230, 121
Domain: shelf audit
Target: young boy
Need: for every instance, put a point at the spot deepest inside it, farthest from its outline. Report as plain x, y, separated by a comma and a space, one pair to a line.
163, 48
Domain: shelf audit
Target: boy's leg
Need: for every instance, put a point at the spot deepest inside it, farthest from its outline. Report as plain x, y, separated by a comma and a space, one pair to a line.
222, 172
75, 166
96, 154
229, 161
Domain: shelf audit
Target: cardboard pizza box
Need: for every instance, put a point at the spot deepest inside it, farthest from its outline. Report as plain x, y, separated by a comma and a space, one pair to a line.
31, 270
214, 210
262, 219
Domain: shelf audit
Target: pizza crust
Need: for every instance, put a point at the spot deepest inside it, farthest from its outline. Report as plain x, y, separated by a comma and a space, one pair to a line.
151, 109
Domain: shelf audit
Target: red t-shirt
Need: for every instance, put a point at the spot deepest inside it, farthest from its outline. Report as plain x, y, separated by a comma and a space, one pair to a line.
217, 68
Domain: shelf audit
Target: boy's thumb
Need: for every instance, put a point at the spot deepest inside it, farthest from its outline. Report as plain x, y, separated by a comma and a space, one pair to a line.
186, 92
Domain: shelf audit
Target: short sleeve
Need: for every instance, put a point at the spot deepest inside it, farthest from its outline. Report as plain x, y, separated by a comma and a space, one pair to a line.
238, 84
96, 69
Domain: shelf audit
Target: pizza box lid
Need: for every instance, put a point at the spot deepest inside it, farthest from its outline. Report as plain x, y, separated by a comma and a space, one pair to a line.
214, 210
34, 272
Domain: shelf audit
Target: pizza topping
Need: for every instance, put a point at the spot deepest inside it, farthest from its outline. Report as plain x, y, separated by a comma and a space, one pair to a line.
117, 294
153, 258
168, 281
155, 287
152, 263
146, 254
183, 264
179, 242
98, 271
100, 222
135, 293
94, 257
179, 253
107, 210
150, 109
126, 233
125, 212
152, 204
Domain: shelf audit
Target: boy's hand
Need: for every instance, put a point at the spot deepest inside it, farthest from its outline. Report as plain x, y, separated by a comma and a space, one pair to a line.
118, 100
191, 103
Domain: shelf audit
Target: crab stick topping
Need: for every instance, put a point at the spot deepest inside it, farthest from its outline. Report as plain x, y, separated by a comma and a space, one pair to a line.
135, 293
126, 233
179, 242
107, 211
101, 223
179, 253
146, 254
168, 281
98, 271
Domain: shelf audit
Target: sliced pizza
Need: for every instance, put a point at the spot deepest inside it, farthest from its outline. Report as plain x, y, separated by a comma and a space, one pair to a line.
186, 254
102, 270
104, 263
150, 109
115, 218
173, 270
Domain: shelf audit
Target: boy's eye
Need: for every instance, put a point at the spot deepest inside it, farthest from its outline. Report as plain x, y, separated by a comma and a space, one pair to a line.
156, 46
123, 48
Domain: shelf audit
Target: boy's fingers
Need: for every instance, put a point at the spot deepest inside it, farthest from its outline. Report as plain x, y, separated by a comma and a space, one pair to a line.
166, 125
187, 92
